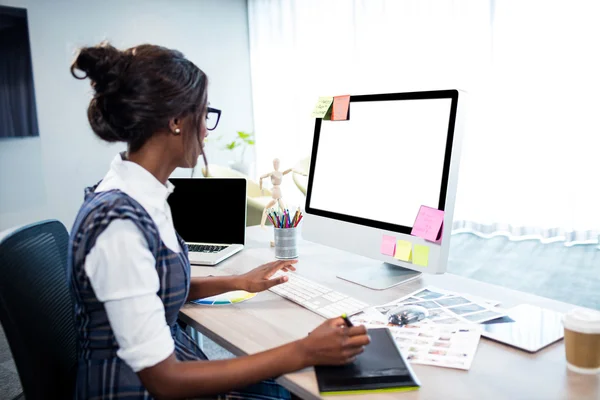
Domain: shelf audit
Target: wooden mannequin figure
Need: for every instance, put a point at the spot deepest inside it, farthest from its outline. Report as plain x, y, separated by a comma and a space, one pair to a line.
276, 179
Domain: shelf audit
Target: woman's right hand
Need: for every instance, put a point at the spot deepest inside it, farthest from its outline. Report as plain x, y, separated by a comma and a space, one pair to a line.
333, 343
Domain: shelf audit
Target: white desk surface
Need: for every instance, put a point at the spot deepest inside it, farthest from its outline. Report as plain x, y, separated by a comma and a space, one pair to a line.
268, 320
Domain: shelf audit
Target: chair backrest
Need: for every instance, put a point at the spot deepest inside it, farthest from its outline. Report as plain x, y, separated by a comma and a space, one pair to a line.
303, 165
218, 171
36, 309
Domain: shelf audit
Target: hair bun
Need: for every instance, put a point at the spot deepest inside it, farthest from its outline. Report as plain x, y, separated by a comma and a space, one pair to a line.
102, 64
139, 91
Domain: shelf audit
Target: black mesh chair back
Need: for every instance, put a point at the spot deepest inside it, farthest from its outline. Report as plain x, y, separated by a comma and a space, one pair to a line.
36, 309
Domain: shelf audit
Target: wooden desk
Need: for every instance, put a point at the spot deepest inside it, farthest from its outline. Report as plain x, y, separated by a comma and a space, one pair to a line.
266, 321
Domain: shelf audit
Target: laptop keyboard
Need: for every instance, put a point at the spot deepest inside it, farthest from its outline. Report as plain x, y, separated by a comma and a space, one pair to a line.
205, 248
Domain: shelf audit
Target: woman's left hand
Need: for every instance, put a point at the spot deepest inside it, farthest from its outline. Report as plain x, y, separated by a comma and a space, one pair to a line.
259, 279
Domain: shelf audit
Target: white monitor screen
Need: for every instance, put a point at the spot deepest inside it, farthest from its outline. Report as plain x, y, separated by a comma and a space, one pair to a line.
384, 163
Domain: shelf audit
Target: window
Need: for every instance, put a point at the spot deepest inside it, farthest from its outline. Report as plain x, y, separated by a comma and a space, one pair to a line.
17, 99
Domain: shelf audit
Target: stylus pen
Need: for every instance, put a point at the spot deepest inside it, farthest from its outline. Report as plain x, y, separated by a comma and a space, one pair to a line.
347, 321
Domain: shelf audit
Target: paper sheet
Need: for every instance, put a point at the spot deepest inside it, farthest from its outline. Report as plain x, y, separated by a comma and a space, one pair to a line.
450, 346
443, 307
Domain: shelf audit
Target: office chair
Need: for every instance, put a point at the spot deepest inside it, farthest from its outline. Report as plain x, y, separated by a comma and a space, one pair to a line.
36, 309
300, 180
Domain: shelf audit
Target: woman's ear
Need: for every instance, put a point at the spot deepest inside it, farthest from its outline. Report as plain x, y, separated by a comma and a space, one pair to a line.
175, 126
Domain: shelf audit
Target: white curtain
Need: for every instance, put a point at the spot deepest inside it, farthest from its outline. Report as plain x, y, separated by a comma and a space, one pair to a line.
530, 162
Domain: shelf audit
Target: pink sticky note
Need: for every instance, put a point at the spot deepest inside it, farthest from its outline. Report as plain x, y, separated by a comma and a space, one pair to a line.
388, 245
428, 224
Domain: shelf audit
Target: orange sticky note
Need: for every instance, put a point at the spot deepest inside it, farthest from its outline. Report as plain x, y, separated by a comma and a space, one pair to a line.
403, 250
341, 108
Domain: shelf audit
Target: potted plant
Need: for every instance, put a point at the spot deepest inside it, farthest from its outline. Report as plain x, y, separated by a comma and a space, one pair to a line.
238, 146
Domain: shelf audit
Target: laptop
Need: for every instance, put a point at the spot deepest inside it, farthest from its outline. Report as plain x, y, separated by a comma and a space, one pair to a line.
210, 215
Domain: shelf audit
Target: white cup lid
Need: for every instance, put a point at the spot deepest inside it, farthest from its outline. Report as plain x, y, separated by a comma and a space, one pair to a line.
582, 320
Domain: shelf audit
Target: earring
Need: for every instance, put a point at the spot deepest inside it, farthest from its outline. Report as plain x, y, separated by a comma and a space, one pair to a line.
177, 131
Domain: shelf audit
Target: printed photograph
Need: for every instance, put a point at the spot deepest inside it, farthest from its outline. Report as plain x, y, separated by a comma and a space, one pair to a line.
483, 316
466, 309
384, 309
408, 332
442, 344
438, 352
428, 294
457, 354
439, 313
428, 304
452, 301
410, 300
448, 321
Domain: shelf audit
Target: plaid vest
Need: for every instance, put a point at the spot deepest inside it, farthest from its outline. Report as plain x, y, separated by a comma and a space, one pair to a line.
101, 374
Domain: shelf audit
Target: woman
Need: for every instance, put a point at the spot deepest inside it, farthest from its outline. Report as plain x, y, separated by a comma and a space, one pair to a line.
129, 269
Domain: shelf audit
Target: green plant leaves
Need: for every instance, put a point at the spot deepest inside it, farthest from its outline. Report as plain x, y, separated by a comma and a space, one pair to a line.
232, 145
243, 138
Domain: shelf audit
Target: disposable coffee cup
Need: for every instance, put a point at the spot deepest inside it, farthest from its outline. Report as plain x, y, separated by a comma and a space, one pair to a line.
582, 340
286, 243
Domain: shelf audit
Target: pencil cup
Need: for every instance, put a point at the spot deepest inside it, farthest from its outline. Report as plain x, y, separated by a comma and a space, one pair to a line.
286, 243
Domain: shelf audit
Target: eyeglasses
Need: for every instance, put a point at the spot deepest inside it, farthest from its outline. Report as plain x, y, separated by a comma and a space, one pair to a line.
213, 116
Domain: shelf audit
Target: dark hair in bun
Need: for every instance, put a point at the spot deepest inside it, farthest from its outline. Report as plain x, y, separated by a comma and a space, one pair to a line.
139, 90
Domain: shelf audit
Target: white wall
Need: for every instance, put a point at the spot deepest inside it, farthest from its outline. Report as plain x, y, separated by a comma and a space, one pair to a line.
45, 177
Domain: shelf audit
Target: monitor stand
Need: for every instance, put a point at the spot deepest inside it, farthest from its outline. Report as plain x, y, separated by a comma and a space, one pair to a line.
380, 277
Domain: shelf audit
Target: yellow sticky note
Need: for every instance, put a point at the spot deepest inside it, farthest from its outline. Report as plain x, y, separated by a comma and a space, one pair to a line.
323, 106
403, 250
421, 255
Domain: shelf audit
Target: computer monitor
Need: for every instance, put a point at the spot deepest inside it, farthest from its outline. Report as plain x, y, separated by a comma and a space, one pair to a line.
370, 175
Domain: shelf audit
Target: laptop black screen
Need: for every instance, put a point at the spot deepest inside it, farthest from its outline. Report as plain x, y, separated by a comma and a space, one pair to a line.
209, 210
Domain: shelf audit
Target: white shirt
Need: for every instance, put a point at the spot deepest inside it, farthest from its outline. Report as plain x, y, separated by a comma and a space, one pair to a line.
122, 270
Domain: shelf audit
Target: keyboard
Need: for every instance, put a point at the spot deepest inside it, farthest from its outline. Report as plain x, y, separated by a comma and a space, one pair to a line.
317, 298
205, 248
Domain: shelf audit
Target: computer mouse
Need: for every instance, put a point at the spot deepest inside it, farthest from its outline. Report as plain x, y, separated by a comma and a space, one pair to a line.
407, 314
